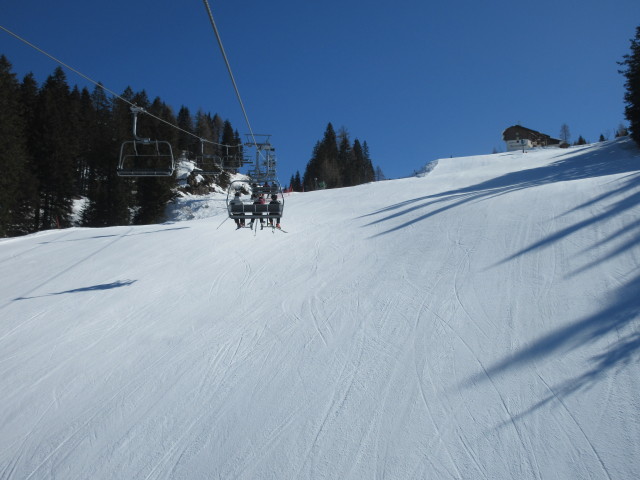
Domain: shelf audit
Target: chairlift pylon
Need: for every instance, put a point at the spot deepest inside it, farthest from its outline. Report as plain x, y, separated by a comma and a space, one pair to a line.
144, 157
264, 167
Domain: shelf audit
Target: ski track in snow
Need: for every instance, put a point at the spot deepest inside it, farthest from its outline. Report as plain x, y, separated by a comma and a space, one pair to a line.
397, 331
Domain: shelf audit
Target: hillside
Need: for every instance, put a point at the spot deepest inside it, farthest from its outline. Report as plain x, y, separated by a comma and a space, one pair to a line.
481, 321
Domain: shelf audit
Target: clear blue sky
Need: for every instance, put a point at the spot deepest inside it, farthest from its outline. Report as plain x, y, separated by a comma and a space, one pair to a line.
417, 79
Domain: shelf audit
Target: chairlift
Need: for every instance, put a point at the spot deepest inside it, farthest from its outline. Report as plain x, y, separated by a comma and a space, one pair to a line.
143, 157
247, 209
208, 163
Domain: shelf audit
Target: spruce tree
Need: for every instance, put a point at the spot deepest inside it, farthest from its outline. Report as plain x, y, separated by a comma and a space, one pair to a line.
109, 196
86, 123
328, 155
297, 186
323, 167
55, 152
312, 171
203, 129
369, 173
359, 162
346, 161
28, 209
186, 140
631, 72
229, 150
216, 124
13, 156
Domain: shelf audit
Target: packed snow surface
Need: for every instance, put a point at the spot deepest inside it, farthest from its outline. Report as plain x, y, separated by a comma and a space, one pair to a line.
479, 322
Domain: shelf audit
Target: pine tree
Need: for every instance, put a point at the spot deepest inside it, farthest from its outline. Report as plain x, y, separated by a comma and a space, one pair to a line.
631, 72
329, 166
109, 195
323, 167
346, 161
369, 174
186, 140
80, 120
229, 148
203, 130
26, 215
310, 177
13, 156
55, 152
297, 182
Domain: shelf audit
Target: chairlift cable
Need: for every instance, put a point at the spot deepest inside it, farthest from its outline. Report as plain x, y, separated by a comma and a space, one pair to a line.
226, 61
111, 92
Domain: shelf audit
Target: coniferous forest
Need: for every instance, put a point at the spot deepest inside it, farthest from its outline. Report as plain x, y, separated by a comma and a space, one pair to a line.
59, 144
336, 162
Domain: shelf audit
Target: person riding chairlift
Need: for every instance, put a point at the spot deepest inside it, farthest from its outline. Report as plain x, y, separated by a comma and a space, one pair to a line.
236, 201
274, 201
259, 201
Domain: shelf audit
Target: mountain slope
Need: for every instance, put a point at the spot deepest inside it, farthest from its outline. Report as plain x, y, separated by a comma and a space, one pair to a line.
479, 322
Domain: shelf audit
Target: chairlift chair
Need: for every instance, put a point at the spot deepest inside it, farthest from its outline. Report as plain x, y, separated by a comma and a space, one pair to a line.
250, 211
143, 157
208, 163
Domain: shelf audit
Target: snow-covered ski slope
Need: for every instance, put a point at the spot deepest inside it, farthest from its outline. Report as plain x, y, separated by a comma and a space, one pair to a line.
481, 322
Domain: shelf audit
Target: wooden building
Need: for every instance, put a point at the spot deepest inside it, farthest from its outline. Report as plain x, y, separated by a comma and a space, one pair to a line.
518, 137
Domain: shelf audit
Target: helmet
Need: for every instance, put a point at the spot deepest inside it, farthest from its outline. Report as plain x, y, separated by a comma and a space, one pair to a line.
237, 194
274, 197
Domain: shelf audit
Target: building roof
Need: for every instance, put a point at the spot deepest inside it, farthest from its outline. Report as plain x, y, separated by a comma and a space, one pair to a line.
515, 132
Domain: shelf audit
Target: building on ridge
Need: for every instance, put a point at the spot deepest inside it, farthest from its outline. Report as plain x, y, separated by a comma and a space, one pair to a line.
518, 137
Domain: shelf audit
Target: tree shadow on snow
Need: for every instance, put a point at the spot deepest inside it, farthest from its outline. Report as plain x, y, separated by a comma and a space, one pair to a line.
128, 234
92, 288
618, 207
617, 324
607, 159
623, 308
620, 318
